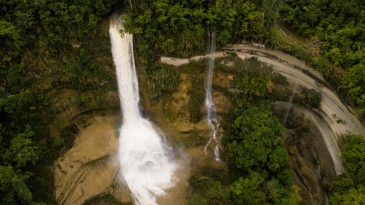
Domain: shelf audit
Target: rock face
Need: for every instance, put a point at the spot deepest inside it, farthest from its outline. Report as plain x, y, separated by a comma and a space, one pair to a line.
308, 155
64, 104
172, 116
90, 167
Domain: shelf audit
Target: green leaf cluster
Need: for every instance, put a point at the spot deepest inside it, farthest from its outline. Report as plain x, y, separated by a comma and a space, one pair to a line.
253, 145
180, 28
257, 141
349, 188
312, 98
45, 44
338, 25
354, 81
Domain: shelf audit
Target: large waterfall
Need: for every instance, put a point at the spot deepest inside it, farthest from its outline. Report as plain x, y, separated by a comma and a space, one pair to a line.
143, 155
211, 114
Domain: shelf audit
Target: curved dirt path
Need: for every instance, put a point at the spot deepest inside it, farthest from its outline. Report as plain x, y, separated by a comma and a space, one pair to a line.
335, 115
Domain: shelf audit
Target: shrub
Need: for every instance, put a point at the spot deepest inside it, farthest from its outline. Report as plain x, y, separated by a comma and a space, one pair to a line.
313, 98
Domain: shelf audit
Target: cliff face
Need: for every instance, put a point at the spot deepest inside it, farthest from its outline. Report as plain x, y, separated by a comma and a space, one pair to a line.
308, 133
308, 155
89, 168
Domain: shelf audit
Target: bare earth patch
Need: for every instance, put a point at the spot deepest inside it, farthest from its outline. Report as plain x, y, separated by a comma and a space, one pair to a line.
90, 168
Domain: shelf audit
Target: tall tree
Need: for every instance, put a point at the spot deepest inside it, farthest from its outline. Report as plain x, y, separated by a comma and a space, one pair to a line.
354, 81
257, 141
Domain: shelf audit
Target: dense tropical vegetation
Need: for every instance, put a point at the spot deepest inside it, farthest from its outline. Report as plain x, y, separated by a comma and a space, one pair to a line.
336, 29
334, 26
45, 45
333, 30
49, 45
349, 188
257, 170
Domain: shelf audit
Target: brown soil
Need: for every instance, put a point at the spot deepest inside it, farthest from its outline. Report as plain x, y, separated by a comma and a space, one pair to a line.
90, 168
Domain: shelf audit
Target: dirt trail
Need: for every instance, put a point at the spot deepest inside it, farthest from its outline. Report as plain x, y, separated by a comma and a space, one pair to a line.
335, 115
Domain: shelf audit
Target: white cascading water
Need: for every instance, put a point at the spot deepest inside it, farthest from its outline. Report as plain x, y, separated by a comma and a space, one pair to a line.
211, 114
144, 158
290, 104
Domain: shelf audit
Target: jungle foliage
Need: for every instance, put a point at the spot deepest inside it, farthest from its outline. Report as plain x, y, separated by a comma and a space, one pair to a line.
349, 188
48, 44
337, 28
177, 28
45, 45
312, 98
253, 145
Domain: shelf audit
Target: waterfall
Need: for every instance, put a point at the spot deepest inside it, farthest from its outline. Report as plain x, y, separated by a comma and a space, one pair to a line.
144, 158
290, 104
212, 121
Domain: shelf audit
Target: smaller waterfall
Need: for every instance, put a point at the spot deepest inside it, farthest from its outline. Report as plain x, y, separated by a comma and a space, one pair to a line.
211, 113
290, 103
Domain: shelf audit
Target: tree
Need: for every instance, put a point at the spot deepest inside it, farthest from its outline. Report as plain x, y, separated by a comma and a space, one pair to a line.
38, 41
342, 183
278, 158
21, 150
248, 24
352, 196
248, 190
350, 189
270, 11
353, 156
354, 81
10, 38
12, 184
254, 84
338, 24
257, 140
313, 98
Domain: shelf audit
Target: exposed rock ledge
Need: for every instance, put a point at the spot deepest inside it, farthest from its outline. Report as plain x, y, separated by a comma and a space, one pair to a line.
89, 168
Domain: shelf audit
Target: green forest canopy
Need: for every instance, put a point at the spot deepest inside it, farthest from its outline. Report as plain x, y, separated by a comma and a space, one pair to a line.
37, 39
180, 29
337, 27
